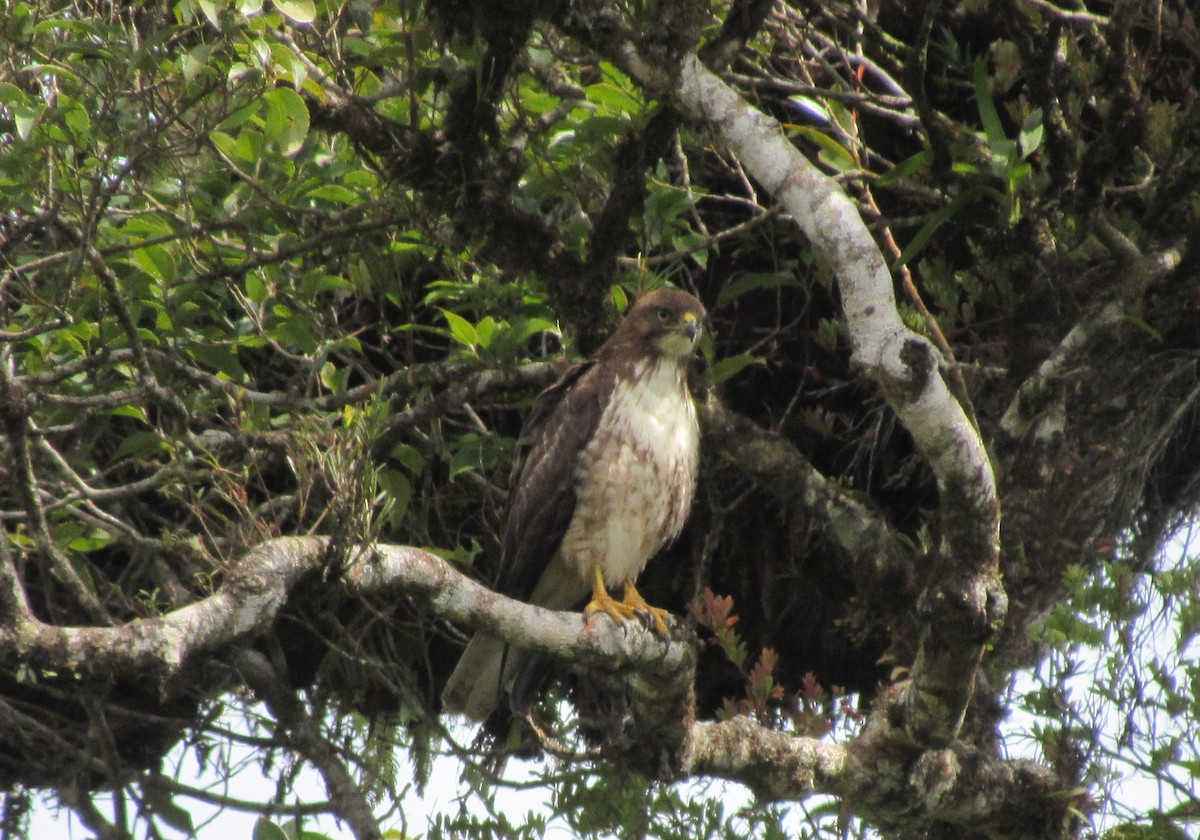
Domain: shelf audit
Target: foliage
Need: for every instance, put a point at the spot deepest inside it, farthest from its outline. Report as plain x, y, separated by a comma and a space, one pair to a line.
300, 266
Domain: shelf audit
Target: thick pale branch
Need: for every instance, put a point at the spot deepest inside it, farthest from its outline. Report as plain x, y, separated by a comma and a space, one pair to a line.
775, 765
964, 601
958, 786
564, 635
256, 587
901, 361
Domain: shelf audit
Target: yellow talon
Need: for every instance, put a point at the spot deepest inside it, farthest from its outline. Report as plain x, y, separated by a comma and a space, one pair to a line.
635, 603
602, 602
628, 608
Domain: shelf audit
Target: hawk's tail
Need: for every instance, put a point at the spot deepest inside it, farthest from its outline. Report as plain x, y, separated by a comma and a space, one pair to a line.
476, 688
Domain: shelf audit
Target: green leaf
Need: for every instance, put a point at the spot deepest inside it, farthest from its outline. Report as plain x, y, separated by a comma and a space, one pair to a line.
731, 365
988, 115
256, 288
509, 342
92, 542
612, 99
134, 411
225, 144
211, 12
10, 94
299, 11
486, 330
77, 120
538, 103
287, 119
332, 283
290, 66
334, 192
25, 119
264, 829
156, 261
905, 168
196, 61
412, 458
139, 445
935, 221
753, 282
830, 151
1030, 139
147, 226
219, 357
462, 330
398, 487
475, 452
296, 330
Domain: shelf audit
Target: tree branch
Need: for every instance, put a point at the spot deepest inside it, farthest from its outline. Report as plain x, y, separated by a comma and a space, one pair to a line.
941, 785
959, 787
965, 600
304, 734
899, 360
784, 472
1037, 401
156, 651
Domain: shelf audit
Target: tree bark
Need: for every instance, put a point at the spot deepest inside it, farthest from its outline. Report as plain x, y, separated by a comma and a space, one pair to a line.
965, 602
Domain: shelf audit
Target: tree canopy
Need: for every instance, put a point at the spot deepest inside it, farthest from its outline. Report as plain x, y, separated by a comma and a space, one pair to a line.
278, 281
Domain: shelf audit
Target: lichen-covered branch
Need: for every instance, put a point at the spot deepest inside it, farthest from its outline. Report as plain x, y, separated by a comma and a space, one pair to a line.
903, 363
956, 787
255, 589
965, 600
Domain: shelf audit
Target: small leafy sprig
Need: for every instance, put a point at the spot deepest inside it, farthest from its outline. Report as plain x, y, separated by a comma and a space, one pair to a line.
715, 612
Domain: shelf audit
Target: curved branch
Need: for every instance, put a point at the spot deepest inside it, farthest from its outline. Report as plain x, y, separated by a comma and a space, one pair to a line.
960, 787
902, 362
965, 600
158, 650
1038, 391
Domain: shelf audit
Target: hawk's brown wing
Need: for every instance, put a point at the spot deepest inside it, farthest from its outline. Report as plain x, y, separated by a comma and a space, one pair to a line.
542, 486
541, 504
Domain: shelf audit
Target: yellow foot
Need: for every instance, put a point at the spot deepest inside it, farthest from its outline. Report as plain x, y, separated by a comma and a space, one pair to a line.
629, 608
635, 603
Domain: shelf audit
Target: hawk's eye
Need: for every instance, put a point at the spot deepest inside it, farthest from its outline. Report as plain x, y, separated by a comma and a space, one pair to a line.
663, 314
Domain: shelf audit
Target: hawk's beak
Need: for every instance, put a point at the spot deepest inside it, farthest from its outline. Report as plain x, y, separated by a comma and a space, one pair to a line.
691, 327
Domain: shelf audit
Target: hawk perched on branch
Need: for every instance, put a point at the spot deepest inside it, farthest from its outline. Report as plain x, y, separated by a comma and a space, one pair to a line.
604, 477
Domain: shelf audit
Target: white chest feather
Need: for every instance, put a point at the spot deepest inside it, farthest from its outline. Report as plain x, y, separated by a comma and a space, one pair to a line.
636, 478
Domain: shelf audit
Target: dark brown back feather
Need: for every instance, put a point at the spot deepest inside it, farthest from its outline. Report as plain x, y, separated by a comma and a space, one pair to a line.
542, 484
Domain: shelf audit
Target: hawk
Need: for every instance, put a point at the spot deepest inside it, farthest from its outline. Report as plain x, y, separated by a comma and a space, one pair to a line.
604, 477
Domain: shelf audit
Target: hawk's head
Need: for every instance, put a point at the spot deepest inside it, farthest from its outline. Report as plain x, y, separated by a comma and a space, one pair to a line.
665, 322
